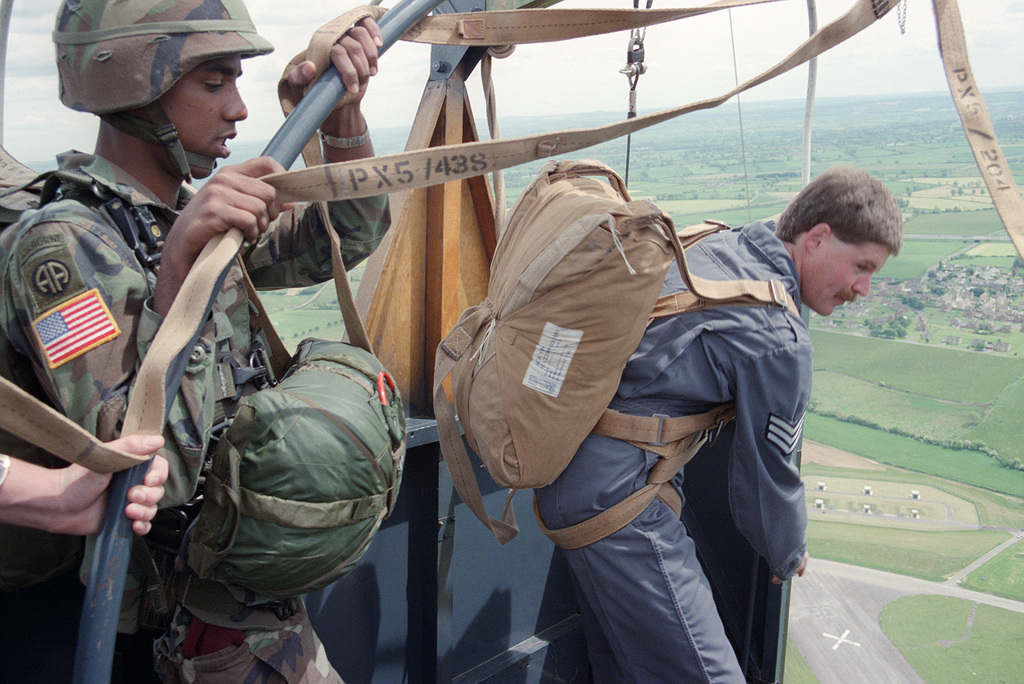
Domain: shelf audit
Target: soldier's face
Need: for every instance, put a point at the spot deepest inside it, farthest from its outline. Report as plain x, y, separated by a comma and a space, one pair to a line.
204, 106
833, 272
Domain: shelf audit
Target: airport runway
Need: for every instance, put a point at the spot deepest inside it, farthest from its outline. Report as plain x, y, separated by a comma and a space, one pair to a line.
833, 621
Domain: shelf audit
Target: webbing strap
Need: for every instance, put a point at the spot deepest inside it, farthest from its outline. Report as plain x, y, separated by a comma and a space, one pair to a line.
146, 407
660, 430
524, 26
212, 602
310, 514
621, 514
421, 168
26, 417
260, 320
977, 125
456, 457
726, 293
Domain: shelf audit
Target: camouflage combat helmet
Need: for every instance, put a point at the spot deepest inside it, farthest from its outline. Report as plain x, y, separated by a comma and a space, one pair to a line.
114, 55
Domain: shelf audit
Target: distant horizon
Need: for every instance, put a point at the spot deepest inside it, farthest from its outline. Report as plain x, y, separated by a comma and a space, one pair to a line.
241, 148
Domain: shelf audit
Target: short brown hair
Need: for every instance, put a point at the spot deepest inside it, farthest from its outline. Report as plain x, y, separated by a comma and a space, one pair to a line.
856, 206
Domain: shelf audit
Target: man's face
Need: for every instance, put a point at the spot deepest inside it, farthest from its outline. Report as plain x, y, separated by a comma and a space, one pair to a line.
204, 106
833, 272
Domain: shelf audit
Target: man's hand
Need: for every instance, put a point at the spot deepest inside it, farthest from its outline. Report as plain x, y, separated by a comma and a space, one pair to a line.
799, 571
354, 55
234, 197
72, 500
83, 494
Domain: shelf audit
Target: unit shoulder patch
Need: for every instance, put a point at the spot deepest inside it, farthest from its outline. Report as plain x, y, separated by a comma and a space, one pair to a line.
73, 327
51, 275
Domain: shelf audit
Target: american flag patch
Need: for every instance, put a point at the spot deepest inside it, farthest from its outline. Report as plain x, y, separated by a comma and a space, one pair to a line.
74, 327
783, 433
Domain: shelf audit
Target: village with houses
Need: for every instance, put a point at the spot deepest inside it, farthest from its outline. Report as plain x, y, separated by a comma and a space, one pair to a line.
959, 303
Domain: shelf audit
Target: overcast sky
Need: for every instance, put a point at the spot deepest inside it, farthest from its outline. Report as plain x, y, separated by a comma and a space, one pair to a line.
687, 60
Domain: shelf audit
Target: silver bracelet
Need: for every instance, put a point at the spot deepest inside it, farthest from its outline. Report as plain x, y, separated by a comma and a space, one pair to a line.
345, 143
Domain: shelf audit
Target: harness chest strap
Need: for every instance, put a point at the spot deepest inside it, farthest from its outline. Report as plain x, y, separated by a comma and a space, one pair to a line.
675, 440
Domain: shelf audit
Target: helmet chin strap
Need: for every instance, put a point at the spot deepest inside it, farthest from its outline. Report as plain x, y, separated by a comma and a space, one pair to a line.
160, 131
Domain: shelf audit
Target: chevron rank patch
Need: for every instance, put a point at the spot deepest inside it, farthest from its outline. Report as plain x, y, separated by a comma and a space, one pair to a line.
783, 433
73, 327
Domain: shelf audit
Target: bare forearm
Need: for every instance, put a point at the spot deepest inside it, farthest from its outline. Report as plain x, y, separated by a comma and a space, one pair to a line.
32, 496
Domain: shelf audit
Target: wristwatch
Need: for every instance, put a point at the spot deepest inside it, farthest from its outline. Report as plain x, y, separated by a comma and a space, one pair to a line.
5, 465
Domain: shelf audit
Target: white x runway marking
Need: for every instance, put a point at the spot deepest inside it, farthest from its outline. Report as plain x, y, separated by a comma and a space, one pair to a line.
840, 639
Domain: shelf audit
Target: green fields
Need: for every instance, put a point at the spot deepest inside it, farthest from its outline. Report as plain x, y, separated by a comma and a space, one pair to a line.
1002, 576
952, 640
929, 555
940, 401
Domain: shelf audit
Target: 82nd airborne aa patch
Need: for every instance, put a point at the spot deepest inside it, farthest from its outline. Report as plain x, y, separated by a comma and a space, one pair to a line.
73, 327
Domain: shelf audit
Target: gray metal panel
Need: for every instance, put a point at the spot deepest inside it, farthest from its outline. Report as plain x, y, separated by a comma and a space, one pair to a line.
437, 599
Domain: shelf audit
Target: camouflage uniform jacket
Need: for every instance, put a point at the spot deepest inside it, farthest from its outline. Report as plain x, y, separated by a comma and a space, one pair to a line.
76, 306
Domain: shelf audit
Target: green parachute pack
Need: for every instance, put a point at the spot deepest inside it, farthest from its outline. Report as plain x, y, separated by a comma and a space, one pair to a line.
299, 482
304, 476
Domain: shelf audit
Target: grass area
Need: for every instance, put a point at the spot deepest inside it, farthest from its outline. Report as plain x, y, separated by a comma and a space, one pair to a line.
1002, 575
965, 376
928, 555
974, 224
312, 311
917, 256
842, 395
969, 467
952, 640
796, 669
891, 498
1001, 430
992, 508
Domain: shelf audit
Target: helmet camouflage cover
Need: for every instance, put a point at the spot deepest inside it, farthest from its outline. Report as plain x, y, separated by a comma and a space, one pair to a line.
114, 55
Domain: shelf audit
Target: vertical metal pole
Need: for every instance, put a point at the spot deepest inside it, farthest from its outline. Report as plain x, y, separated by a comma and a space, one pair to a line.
812, 80
5, 27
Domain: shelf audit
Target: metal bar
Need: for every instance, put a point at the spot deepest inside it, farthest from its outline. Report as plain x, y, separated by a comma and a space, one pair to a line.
5, 27
323, 96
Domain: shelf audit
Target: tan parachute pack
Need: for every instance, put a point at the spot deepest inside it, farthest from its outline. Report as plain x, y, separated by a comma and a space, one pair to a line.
575, 279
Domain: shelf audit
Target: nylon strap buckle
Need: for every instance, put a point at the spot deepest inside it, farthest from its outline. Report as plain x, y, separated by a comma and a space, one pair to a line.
712, 434
778, 293
166, 135
661, 427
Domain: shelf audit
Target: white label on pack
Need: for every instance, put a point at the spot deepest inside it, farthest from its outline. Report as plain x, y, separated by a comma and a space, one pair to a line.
551, 359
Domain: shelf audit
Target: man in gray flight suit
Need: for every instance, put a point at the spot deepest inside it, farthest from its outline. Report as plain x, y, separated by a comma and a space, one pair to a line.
649, 613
